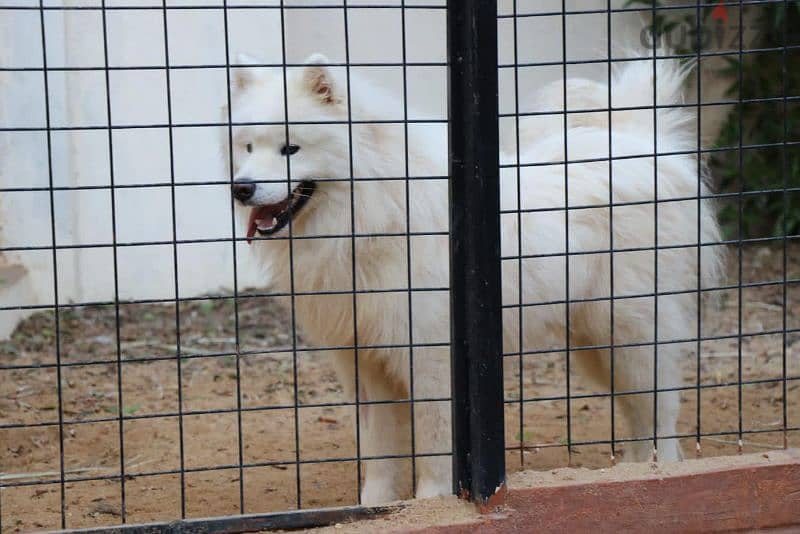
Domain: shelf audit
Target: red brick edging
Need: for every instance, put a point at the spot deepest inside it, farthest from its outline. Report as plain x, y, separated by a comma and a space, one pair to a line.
744, 498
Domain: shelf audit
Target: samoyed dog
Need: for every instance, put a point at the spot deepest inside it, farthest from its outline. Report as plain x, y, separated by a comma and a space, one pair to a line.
355, 222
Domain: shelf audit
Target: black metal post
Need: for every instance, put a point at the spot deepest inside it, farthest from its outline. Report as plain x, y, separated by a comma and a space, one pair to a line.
475, 296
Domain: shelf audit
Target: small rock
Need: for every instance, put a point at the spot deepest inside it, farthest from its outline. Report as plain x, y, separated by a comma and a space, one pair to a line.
106, 508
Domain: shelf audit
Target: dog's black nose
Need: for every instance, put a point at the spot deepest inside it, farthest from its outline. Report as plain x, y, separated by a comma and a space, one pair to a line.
243, 189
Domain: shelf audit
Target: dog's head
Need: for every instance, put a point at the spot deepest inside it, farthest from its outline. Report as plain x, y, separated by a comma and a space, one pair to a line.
279, 171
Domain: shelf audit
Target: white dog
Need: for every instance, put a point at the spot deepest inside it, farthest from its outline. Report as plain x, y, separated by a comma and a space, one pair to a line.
319, 198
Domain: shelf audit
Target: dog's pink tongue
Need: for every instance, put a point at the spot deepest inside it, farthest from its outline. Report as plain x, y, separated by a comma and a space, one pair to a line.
263, 213
251, 225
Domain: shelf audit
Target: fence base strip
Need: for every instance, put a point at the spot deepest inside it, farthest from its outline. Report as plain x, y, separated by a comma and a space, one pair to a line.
292, 520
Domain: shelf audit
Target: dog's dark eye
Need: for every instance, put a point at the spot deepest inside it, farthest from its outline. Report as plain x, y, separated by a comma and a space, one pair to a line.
249, 148
288, 150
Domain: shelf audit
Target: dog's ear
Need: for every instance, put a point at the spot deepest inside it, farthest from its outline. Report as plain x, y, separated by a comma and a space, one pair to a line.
243, 76
318, 80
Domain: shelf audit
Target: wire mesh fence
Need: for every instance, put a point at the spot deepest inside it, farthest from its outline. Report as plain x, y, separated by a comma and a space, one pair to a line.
162, 397
230, 274
712, 362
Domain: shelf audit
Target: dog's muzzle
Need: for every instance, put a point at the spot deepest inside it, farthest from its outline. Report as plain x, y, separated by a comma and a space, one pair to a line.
267, 219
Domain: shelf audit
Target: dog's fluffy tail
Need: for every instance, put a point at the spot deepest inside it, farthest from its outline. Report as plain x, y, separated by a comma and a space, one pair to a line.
632, 85
634, 126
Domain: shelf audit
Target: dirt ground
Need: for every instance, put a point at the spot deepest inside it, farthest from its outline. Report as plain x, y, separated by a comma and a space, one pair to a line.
153, 384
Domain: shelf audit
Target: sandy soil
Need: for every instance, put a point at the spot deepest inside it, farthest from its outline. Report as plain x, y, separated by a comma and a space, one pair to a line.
147, 376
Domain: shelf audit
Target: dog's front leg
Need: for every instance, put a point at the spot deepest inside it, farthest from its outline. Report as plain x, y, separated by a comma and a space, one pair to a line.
385, 431
432, 423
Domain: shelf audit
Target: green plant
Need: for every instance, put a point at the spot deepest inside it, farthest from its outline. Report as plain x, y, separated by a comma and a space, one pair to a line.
765, 125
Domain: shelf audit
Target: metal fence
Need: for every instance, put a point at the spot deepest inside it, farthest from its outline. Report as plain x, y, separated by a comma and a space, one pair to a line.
715, 357
622, 279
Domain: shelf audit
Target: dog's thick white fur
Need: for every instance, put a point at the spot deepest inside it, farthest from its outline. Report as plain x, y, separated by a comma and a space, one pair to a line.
319, 93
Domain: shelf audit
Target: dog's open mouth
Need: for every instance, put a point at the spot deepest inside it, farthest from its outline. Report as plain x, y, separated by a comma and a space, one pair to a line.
271, 218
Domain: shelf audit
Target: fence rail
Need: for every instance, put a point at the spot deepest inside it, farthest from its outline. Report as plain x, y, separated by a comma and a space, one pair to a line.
475, 295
